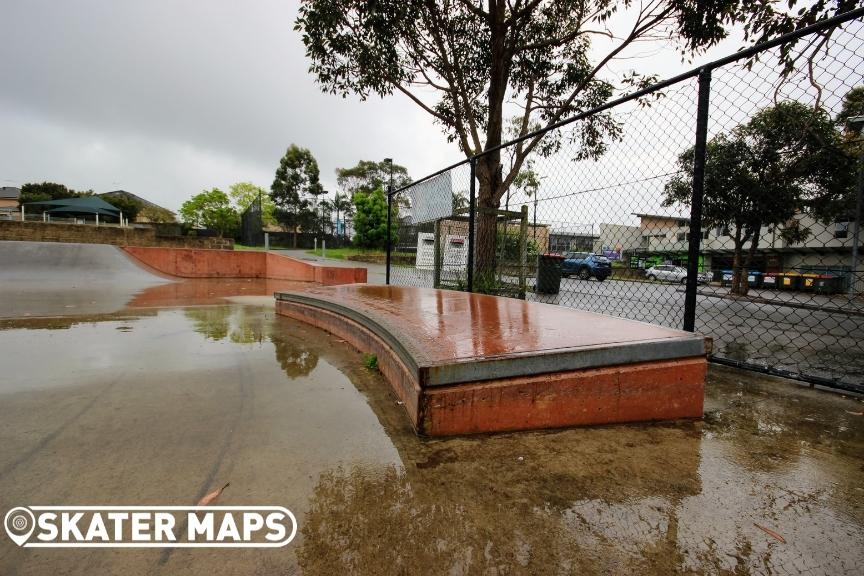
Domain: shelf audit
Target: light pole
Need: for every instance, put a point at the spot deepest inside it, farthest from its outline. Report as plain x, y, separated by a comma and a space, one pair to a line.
389, 162
856, 123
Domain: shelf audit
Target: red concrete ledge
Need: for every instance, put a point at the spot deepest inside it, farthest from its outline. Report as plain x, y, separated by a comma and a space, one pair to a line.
467, 363
193, 263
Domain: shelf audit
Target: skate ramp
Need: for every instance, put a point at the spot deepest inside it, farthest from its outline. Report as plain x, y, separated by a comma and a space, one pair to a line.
58, 279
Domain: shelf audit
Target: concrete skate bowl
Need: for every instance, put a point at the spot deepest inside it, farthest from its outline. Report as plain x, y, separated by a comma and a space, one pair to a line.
58, 279
39, 279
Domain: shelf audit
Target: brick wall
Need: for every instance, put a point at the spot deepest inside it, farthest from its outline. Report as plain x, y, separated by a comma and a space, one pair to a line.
89, 234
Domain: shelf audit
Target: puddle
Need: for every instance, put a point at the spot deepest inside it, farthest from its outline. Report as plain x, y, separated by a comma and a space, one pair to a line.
187, 399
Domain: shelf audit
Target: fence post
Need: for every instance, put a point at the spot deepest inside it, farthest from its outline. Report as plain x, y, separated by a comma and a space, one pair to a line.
696, 200
472, 209
389, 229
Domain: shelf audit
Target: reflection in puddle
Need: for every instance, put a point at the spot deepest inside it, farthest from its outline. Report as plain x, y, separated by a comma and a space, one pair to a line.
187, 398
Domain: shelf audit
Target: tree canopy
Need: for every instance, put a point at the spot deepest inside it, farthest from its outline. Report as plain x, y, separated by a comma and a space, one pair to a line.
786, 159
370, 220
470, 64
295, 188
368, 175
211, 209
243, 194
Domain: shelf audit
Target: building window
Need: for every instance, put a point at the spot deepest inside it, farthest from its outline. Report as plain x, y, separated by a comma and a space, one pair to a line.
722, 231
841, 229
681, 236
681, 223
706, 234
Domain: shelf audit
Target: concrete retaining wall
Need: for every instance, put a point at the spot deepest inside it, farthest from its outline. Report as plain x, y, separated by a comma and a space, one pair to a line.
89, 234
190, 263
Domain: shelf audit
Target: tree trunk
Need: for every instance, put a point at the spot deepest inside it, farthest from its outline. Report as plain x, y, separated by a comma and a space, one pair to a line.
748, 263
736, 264
486, 221
295, 228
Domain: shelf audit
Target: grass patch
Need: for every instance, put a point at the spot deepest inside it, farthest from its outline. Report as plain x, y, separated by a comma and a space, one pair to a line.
243, 247
347, 251
370, 361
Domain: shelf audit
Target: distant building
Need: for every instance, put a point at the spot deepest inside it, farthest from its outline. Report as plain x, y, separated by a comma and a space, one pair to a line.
617, 241
9, 196
149, 210
828, 248
573, 238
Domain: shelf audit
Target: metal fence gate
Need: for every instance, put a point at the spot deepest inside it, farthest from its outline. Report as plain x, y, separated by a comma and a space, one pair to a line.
726, 200
252, 224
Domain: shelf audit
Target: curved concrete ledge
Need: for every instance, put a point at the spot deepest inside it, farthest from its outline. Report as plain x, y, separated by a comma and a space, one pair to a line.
466, 363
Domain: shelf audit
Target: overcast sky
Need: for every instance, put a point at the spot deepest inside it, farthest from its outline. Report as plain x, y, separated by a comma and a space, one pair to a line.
164, 98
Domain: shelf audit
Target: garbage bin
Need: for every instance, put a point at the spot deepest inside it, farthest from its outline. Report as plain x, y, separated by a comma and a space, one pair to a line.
826, 284
726, 277
549, 273
808, 282
771, 280
754, 279
790, 281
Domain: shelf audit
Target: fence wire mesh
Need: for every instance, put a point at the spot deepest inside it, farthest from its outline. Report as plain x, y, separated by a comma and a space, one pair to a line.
605, 202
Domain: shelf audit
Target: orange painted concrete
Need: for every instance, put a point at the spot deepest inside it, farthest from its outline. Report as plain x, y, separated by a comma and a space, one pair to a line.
633, 392
647, 391
191, 263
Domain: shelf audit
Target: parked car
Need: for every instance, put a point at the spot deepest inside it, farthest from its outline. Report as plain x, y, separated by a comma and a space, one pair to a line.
670, 273
586, 265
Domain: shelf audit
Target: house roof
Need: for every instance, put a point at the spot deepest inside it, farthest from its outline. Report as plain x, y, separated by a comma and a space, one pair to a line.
663, 216
10, 192
131, 196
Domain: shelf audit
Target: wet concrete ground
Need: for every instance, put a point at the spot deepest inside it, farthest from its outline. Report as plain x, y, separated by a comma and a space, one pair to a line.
160, 404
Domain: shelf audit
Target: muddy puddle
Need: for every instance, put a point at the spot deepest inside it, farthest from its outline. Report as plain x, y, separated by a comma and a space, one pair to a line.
162, 405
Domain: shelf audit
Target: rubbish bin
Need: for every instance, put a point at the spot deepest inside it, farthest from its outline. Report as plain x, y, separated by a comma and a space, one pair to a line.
771, 280
808, 282
754, 279
549, 273
826, 284
790, 281
726, 277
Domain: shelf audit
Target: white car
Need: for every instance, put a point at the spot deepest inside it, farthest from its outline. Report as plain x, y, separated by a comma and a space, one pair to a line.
670, 273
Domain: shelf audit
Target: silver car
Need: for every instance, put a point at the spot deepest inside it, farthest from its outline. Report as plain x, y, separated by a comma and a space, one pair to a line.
677, 274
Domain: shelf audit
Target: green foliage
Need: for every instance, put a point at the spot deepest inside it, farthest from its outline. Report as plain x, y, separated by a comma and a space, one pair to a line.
295, 185
370, 220
128, 206
466, 63
243, 194
508, 243
157, 215
370, 361
368, 176
211, 209
788, 158
33, 192
853, 105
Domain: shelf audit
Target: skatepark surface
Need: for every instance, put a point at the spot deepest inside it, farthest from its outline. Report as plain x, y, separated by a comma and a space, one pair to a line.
194, 384
55, 278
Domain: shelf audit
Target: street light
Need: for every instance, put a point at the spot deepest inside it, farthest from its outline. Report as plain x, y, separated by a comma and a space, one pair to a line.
389, 162
856, 124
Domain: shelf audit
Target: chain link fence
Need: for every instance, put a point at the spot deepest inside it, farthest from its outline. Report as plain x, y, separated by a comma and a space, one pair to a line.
725, 201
